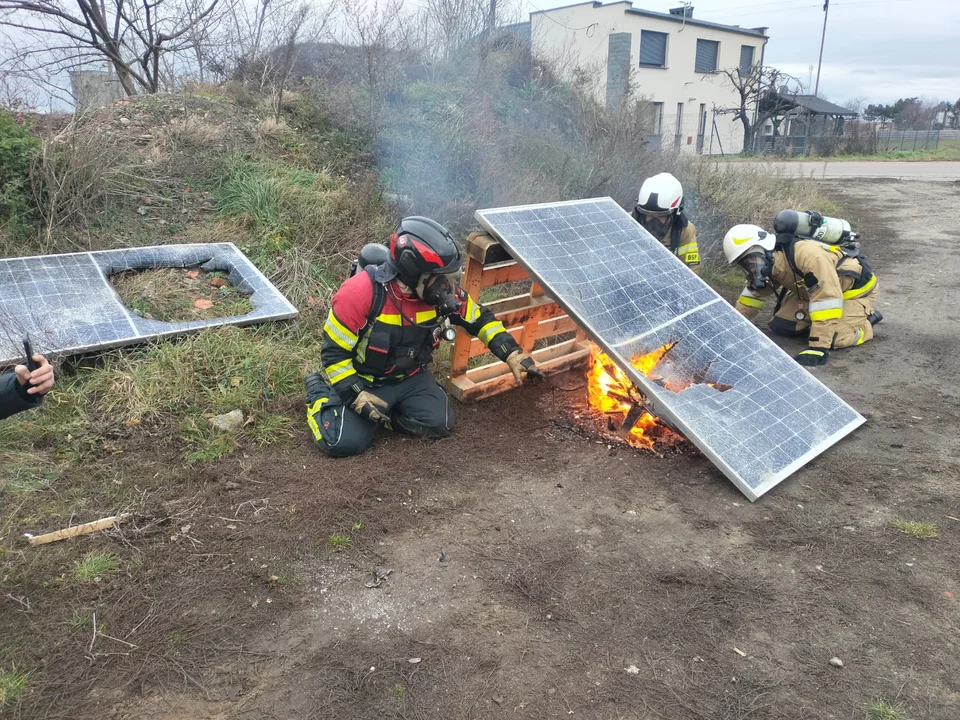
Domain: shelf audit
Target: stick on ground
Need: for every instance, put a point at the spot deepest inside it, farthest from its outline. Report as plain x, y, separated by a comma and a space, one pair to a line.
76, 530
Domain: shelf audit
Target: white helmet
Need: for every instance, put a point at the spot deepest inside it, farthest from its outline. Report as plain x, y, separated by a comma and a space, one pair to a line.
741, 239
660, 195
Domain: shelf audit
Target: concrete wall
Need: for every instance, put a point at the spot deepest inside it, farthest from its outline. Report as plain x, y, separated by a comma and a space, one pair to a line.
576, 41
94, 88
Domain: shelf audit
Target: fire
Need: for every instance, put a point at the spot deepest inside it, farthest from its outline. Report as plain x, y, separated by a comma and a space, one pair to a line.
611, 392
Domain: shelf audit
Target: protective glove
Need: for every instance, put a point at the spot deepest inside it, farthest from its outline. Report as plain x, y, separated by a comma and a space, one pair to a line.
368, 406
520, 363
812, 357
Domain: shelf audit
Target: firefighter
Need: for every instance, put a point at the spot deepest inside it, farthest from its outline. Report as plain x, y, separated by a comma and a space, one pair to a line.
384, 324
23, 389
821, 291
659, 211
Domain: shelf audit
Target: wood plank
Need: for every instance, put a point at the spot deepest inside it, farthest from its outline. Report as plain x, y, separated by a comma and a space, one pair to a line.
551, 352
472, 283
486, 249
539, 309
531, 332
465, 389
503, 273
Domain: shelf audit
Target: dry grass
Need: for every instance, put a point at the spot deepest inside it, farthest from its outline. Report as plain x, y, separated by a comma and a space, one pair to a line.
179, 294
190, 133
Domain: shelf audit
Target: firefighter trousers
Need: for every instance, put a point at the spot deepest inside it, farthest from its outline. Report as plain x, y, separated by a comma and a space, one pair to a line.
853, 328
416, 405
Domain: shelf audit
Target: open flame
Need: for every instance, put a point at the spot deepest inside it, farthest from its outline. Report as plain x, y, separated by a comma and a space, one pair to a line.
611, 392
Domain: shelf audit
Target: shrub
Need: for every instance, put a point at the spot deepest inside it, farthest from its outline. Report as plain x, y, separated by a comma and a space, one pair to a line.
18, 146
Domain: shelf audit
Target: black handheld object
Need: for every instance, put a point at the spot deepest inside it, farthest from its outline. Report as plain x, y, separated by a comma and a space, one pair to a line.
28, 352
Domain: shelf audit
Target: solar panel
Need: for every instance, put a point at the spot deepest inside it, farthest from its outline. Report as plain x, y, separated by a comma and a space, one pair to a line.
67, 304
632, 296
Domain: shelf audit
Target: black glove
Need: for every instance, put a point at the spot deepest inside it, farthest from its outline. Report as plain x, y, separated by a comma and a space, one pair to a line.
812, 357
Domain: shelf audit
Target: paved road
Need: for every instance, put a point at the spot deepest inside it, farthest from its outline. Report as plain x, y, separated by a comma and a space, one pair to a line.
877, 169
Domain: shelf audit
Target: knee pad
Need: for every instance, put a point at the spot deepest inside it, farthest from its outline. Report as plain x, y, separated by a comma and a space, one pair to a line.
787, 328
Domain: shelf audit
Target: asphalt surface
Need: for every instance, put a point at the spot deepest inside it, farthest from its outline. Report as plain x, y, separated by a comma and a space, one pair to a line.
929, 171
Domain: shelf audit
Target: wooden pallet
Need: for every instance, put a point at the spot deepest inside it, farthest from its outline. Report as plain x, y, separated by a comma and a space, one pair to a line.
529, 317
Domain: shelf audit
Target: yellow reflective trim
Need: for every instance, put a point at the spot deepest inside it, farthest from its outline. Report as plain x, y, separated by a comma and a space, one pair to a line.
315, 410
851, 294
473, 312
339, 371
821, 315
390, 319
859, 336
336, 331
688, 248
489, 331
422, 317
750, 301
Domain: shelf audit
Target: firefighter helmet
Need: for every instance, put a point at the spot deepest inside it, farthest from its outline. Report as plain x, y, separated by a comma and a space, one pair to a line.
660, 195
421, 246
742, 239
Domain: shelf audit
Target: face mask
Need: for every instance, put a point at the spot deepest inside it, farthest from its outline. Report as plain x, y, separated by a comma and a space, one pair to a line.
758, 267
654, 226
439, 291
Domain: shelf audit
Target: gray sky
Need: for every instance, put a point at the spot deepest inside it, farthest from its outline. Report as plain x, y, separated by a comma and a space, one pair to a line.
878, 49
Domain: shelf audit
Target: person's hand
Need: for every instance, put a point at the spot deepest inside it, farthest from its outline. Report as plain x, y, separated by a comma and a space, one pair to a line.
812, 357
40, 381
368, 406
520, 363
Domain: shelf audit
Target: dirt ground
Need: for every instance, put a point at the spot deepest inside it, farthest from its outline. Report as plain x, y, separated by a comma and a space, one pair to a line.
539, 573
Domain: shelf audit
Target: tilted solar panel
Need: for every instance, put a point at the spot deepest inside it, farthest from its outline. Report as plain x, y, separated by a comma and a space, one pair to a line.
632, 296
67, 304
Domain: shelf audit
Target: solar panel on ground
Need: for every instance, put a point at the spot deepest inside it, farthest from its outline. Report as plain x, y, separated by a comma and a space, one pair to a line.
632, 296
67, 304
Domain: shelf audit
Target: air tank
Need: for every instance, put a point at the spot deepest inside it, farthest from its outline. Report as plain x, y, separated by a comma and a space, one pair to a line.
813, 225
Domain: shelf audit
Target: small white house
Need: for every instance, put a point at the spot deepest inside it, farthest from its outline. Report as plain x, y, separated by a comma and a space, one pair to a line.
670, 59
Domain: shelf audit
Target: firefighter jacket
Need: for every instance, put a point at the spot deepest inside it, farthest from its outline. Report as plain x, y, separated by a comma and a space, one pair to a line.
681, 239
14, 397
815, 289
399, 340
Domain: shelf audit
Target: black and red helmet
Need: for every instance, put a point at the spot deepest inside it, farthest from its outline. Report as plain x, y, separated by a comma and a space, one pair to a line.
421, 246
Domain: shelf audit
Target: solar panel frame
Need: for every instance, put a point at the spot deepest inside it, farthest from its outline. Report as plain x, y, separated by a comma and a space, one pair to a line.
688, 305
67, 304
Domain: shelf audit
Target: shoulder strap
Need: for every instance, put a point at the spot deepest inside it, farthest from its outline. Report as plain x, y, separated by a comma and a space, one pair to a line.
679, 224
379, 299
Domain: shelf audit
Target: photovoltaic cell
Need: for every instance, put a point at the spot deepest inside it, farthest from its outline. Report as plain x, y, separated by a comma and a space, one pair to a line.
632, 295
67, 304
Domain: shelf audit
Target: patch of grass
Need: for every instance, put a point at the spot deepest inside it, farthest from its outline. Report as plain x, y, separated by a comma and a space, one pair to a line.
12, 685
95, 566
917, 528
338, 541
178, 295
882, 710
399, 690
81, 619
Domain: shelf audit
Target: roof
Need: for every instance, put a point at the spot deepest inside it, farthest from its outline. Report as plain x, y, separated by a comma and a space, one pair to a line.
819, 106
753, 32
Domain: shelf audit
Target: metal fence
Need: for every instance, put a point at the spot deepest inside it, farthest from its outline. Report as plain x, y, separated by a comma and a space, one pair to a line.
858, 139
908, 140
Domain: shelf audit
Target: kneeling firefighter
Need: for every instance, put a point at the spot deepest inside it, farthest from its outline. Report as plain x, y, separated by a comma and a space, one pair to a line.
384, 324
823, 285
659, 211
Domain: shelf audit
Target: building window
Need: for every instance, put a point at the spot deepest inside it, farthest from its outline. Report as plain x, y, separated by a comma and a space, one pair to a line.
653, 49
707, 53
746, 59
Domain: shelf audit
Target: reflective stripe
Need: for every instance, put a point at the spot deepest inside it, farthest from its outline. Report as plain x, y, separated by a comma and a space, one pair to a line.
870, 285
422, 317
859, 336
472, 312
826, 305
821, 315
390, 319
340, 370
750, 300
339, 333
688, 248
489, 331
315, 410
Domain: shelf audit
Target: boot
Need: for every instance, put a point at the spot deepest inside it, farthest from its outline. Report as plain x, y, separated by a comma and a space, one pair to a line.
875, 317
316, 386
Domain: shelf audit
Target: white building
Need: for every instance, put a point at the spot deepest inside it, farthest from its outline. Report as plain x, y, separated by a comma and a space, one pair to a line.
672, 60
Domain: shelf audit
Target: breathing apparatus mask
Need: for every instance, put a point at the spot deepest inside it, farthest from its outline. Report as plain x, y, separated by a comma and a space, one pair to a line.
758, 264
440, 291
656, 225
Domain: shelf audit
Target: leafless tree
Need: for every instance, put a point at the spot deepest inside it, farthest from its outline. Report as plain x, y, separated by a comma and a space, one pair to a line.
132, 36
763, 93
